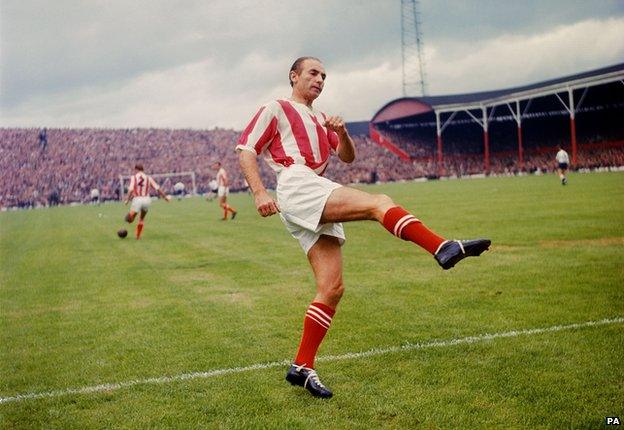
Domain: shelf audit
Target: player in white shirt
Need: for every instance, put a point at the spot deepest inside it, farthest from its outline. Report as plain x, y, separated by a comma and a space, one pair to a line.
563, 162
139, 191
95, 196
213, 188
223, 189
179, 188
296, 140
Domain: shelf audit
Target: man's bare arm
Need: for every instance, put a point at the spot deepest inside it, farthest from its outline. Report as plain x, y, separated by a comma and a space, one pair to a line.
128, 197
163, 195
265, 204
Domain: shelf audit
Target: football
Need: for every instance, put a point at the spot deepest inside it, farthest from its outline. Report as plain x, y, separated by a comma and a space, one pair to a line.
122, 233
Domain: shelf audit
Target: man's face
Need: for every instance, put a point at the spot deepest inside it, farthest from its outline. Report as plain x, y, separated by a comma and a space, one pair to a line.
310, 80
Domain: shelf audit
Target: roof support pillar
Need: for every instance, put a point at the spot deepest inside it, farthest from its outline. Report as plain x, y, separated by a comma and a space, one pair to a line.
517, 116
439, 129
572, 124
483, 122
486, 142
571, 110
520, 148
439, 143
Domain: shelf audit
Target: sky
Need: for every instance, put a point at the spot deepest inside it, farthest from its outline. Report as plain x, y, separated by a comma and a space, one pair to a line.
211, 63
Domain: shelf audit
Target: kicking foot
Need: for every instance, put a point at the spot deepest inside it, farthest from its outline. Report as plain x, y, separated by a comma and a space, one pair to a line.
308, 379
453, 251
234, 215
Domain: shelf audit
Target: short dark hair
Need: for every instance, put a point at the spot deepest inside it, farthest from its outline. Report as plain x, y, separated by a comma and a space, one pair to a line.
296, 67
138, 166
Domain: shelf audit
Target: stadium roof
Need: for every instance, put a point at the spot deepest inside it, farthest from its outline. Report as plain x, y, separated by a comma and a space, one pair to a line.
410, 106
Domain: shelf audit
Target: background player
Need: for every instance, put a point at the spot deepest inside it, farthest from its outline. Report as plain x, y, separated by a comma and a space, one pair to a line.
297, 141
95, 196
213, 189
563, 162
178, 189
139, 192
223, 190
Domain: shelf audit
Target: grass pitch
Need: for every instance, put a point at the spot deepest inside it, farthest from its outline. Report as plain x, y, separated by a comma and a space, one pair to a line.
80, 308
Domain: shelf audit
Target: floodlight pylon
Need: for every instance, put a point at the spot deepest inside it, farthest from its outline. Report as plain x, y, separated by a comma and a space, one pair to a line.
412, 47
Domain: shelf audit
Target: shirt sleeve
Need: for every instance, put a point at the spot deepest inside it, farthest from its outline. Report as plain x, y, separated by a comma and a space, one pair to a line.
153, 184
260, 132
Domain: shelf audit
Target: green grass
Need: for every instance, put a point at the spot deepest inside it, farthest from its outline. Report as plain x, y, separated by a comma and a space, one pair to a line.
80, 307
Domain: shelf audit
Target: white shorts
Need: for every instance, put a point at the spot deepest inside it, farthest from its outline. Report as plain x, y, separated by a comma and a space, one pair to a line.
223, 191
301, 197
141, 204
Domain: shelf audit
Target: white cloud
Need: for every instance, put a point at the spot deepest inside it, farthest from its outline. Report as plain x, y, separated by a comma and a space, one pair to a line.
200, 95
512, 60
356, 95
197, 95
210, 92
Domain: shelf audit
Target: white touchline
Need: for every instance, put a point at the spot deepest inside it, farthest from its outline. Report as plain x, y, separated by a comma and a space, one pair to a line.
348, 356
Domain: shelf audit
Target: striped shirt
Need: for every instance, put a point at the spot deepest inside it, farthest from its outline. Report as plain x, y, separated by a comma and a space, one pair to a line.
286, 132
141, 184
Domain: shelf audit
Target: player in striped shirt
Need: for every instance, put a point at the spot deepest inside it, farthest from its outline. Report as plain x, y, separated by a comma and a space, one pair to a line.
139, 192
296, 140
223, 190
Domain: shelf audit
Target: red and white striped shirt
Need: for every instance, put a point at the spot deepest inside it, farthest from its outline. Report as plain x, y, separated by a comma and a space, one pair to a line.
141, 183
288, 132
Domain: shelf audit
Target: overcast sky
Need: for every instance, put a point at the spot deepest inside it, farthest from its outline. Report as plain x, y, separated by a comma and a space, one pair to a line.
210, 63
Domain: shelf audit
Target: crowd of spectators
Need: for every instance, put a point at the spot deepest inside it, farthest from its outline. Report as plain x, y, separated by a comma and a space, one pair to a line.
74, 161
61, 166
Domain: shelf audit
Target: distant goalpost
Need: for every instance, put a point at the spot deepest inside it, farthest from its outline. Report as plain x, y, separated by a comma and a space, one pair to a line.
123, 178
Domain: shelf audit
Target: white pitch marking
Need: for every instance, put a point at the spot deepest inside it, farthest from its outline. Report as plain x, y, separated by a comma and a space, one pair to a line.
348, 356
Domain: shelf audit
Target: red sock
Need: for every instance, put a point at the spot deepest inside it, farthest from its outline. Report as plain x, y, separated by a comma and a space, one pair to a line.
315, 325
231, 209
139, 229
225, 212
403, 224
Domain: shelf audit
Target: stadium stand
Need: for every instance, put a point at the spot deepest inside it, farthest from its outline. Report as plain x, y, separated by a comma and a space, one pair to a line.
51, 166
492, 125
76, 160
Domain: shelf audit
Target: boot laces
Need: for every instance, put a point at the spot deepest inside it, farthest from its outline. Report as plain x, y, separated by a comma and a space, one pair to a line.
311, 375
314, 377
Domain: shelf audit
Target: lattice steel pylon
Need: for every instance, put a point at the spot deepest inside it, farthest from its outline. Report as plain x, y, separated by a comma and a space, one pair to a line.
412, 46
